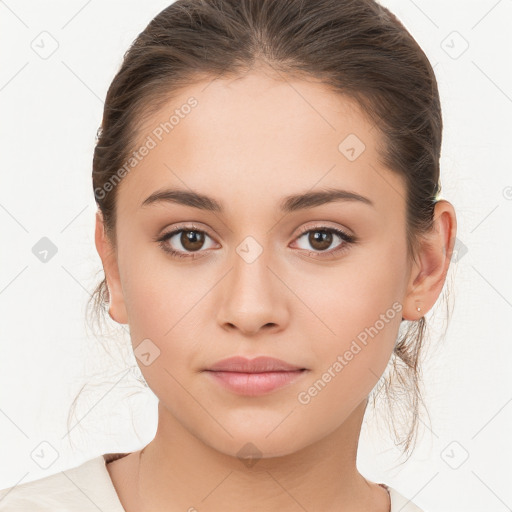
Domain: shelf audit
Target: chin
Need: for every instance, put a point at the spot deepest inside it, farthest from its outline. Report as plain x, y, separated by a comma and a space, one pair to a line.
252, 446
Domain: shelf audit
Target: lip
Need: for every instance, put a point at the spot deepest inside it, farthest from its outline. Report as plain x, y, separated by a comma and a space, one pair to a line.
254, 377
257, 365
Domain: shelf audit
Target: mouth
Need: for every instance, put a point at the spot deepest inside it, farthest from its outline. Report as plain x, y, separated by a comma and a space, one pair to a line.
253, 377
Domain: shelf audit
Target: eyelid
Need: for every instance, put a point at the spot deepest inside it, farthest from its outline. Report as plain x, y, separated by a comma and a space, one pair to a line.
323, 226
184, 226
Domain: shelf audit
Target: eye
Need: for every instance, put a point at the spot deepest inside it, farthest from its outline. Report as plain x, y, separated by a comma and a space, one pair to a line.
320, 238
183, 240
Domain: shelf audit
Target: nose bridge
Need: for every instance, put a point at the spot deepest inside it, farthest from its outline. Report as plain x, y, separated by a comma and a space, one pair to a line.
251, 297
251, 261
251, 276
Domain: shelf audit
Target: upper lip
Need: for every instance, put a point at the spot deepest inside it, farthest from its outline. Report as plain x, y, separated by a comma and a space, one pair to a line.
257, 365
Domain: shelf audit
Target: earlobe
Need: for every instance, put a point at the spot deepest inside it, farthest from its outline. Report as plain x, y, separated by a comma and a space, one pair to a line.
117, 309
433, 260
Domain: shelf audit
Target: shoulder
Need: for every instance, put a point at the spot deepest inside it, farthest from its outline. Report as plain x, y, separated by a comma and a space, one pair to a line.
400, 503
84, 488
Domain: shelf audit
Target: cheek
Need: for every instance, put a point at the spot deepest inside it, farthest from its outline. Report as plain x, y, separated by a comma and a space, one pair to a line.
158, 320
354, 311
154, 297
153, 287
363, 311
165, 304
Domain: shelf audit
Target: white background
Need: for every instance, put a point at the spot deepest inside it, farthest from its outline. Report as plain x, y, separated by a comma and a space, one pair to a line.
50, 111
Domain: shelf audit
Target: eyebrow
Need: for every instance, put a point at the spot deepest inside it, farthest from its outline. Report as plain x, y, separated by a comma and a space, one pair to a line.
288, 204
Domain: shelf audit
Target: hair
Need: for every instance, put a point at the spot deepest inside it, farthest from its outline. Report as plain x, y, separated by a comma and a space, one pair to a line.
356, 48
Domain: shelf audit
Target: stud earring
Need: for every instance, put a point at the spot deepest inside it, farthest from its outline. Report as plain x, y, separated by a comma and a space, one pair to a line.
419, 309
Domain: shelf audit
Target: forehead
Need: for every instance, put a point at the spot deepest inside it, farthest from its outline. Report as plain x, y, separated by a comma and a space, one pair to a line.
256, 136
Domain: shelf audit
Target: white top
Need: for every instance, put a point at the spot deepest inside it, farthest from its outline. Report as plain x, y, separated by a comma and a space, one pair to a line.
89, 488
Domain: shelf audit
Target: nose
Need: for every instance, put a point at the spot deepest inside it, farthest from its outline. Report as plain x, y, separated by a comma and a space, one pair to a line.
252, 298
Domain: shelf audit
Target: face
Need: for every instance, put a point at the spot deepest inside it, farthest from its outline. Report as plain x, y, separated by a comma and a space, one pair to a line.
319, 284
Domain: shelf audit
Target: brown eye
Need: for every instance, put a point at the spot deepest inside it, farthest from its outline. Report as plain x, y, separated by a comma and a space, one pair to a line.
320, 240
184, 242
192, 240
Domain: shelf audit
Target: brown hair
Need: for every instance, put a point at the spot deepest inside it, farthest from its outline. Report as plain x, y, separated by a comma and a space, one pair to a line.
357, 48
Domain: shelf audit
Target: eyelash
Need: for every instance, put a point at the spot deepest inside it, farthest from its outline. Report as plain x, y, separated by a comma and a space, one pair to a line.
347, 240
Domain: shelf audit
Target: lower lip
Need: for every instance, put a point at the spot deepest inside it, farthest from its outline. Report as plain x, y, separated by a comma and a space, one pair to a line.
254, 384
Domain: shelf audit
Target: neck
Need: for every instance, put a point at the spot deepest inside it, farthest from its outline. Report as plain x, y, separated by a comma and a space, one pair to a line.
178, 471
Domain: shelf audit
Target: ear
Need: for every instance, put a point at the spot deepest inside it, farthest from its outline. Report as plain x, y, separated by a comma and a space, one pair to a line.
433, 259
108, 257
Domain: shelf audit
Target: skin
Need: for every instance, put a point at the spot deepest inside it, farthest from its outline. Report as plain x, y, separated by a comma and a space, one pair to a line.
250, 142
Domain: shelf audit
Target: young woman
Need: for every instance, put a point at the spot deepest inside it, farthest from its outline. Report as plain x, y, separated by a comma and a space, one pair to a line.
269, 219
